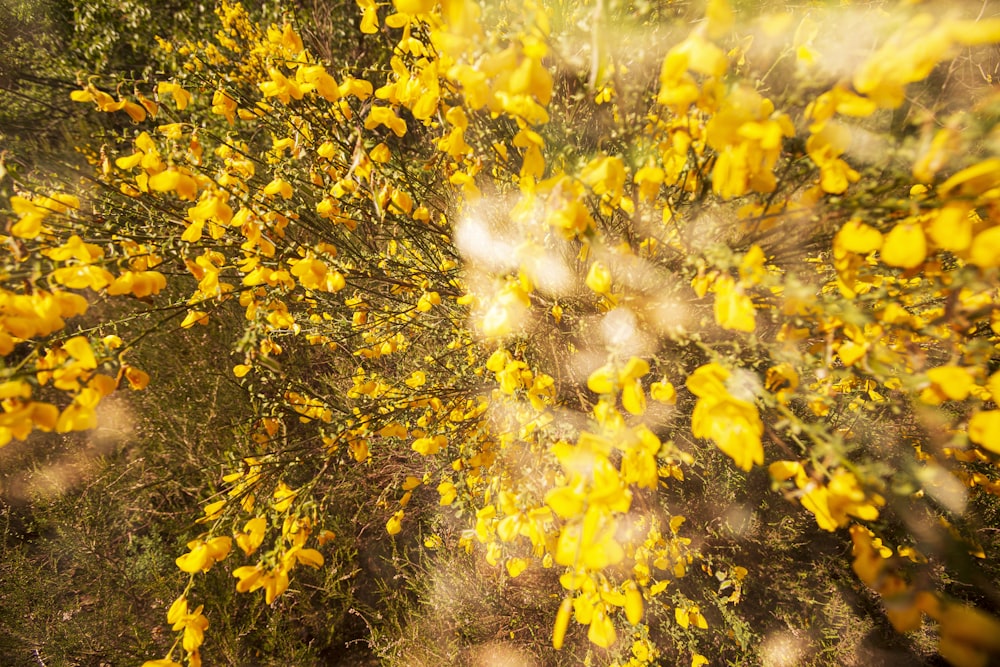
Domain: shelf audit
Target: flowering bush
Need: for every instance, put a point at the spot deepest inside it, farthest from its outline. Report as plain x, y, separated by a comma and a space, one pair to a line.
541, 277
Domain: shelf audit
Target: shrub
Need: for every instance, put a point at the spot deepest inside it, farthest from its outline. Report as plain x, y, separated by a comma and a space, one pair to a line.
592, 313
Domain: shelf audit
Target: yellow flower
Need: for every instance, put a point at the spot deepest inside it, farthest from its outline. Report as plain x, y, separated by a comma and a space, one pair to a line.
984, 430
733, 424
972, 181
687, 616
602, 380
968, 636
599, 278
781, 380
193, 624
249, 578
181, 97
825, 147
278, 187
203, 555
448, 493
905, 246
831, 504
358, 88
516, 566
275, 583
838, 100
315, 77
395, 523
213, 511
79, 348
302, 556
590, 543
855, 236
602, 629
733, 308
633, 603
649, 179
985, 251
251, 540
139, 283
79, 415
747, 136
75, 248
30, 220
283, 497
280, 86
417, 379
951, 383
174, 180
413, 7
562, 622
137, 379
427, 301
254, 577
951, 226
783, 470
428, 446
633, 397
663, 392
851, 352
369, 16
847, 498
606, 176
385, 116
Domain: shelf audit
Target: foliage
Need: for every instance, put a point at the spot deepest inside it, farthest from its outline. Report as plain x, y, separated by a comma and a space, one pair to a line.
47, 47
594, 315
